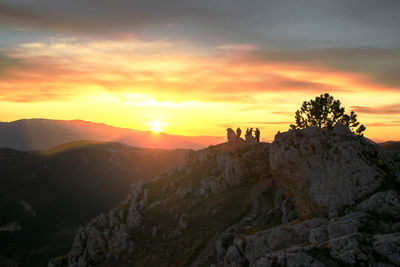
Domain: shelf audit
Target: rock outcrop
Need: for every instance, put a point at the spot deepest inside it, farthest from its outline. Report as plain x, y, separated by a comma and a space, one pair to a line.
106, 237
312, 198
323, 171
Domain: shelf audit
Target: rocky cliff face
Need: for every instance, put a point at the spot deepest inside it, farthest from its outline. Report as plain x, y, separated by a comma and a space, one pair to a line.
325, 171
311, 198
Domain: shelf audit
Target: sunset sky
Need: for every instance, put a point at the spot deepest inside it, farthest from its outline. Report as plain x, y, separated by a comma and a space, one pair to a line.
199, 67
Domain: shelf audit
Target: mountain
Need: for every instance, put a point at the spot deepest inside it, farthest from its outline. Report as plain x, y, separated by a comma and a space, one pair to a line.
390, 145
46, 195
313, 197
38, 134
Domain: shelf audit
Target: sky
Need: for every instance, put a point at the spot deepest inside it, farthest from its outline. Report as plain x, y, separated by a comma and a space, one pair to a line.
199, 67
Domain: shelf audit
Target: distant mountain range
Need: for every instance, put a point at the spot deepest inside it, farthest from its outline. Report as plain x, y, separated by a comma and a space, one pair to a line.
46, 195
38, 134
390, 145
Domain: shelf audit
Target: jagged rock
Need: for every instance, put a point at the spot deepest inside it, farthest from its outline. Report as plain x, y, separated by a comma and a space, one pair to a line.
348, 224
323, 171
319, 234
213, 185
134, 216
383, 203
288, 211
294, 259
183, 192
234, 170
113, 218
182, 224
349, 250
231, 135
234, 258
274, 239
284, 206
388, 246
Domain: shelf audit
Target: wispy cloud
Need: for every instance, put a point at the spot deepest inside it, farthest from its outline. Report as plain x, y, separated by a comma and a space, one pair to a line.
64, 68
383, 124
238, 47
379, 110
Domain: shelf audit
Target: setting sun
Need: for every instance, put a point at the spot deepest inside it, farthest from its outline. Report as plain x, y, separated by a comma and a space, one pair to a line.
156, 126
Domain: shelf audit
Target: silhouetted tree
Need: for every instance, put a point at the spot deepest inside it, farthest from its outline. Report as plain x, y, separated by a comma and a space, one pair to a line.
324, 112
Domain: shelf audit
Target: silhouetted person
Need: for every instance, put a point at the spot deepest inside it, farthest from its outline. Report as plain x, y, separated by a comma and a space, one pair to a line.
257, 135
247, 131
238, 132
251, 131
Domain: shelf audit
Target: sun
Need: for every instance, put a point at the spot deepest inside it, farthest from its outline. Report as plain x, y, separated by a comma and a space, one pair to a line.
156, 126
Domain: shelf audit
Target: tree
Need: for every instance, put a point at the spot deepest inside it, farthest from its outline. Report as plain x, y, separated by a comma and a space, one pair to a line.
324, 112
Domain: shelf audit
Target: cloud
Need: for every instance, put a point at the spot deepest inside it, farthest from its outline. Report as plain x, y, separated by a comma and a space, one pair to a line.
376, 64
383, 124
68, 68
393, 109
238, 47
7, 63
274, 24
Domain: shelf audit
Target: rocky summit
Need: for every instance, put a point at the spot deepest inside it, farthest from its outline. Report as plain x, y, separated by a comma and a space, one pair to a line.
313, 197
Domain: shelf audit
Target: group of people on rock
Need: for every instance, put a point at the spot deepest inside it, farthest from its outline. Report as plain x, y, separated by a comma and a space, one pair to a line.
249, 132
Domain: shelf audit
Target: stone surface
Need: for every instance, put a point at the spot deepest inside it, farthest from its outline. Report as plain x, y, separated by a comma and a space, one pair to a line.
323, 171
278, 238
348, 224
231, 135
291, 259
383, 203
388, 246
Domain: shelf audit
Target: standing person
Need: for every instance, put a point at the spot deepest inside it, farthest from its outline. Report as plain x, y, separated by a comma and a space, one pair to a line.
257, 135
251, 131
238, 132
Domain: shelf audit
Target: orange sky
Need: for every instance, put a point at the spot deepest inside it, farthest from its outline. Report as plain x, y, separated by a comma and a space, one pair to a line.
193, 88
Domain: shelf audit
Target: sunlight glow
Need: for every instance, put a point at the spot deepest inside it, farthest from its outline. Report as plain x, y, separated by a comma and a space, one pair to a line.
156, 126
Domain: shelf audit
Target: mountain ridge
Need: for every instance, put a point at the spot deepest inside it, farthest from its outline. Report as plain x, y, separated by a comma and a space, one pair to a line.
46, 195
39, 134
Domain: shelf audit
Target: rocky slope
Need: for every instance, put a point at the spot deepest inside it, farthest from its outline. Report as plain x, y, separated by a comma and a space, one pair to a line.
46, 195
311, 198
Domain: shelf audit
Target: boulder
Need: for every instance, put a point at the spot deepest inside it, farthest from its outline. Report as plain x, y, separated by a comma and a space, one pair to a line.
383, 203
275, 239
291, 259
350, 250
388, 246
346, 225
323, 171
231, 135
